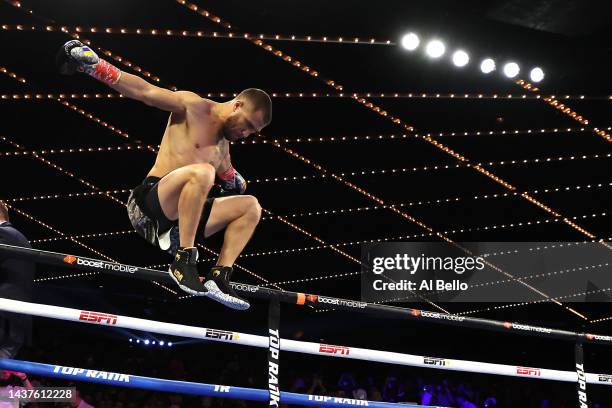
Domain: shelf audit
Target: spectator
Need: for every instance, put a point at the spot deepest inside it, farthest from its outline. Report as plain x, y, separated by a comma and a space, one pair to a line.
16, 281
78, 402
12, 381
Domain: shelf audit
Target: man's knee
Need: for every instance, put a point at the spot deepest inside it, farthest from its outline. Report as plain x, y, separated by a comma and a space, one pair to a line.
253, 209
202, 174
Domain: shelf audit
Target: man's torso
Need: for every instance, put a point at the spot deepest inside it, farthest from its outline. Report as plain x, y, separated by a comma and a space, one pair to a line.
190, 138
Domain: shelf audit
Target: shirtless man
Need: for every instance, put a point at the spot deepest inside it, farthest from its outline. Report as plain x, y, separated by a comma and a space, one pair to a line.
171, 208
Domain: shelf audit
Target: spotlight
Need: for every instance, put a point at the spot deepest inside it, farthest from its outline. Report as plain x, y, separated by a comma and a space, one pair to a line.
131, 340
487, 66
460, 58
169, 344
161, 342
536, 74
511, 69
435, 49
137, 341
410, 41
153, 343
146, 342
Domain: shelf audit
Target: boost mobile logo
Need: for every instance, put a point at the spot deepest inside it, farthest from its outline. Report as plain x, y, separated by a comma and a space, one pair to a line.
527, 328
598, 337
441, 316
100, 264
244, 287
341, 302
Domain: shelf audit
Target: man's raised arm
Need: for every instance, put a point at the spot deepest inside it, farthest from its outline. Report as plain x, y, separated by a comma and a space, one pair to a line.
76, 57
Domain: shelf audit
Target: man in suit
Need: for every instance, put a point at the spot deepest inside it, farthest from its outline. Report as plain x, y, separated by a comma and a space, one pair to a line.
16, 282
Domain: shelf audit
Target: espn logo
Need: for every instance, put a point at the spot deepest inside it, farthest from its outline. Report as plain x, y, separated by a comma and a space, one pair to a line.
220, 334
532, 372
331, 349
96, 317
435, 361
605, 378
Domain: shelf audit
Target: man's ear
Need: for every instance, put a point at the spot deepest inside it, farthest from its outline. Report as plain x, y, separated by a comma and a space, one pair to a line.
238, 104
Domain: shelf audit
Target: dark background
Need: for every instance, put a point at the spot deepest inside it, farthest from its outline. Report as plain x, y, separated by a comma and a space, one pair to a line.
569, 39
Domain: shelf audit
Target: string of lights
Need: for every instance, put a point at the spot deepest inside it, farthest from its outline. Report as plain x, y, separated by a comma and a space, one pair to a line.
447, 200
418, 135
13, 75
335, 139
509, 162
533, 302
455, 230
95, 119
291, 95
107, 53
452, 230
540, 248
604, 319
83, 236
555, 103
61, 169
64, 195
57, 231
194, 33
434, 168
74, 150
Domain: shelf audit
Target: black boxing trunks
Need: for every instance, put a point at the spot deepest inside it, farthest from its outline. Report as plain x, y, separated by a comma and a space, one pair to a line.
150, 222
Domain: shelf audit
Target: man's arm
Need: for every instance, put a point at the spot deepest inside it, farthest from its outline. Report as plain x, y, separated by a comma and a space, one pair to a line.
74, 56
137, 88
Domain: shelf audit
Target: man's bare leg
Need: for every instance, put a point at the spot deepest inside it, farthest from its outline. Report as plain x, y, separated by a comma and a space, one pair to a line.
182, 194
240, 216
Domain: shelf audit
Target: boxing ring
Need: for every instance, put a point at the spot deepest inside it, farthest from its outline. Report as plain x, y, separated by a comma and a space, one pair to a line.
275, 344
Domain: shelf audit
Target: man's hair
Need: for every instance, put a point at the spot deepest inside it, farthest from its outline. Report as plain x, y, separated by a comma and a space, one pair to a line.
4, 211
259, 100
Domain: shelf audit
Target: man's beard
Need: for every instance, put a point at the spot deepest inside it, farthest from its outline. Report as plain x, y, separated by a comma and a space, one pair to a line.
226, 130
